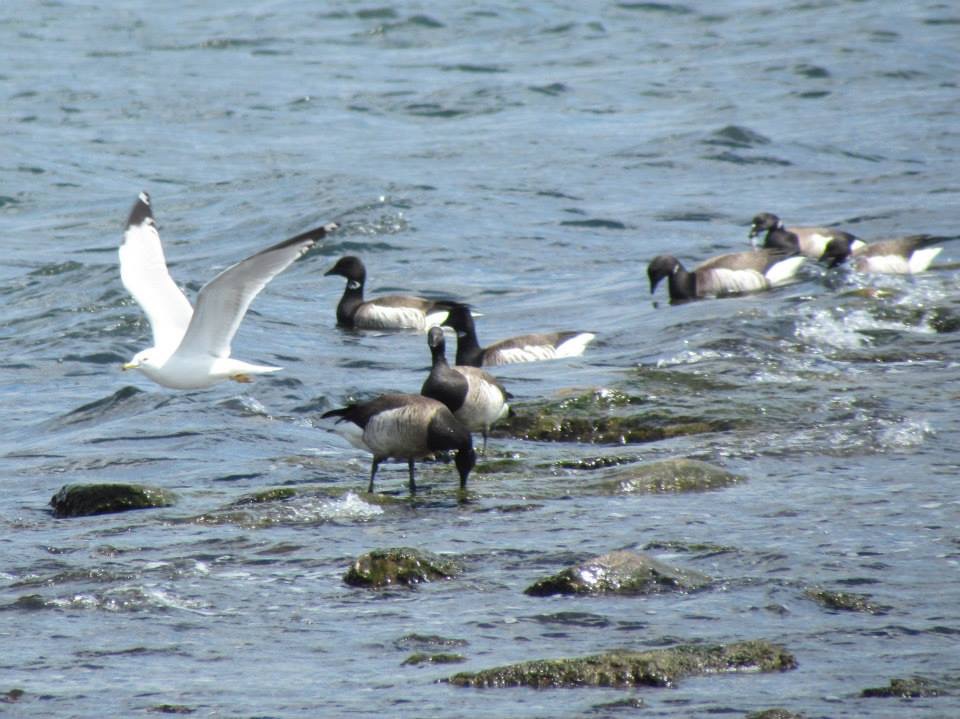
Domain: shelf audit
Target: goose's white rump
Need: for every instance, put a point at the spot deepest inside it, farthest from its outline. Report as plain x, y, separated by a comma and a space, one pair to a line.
191, 347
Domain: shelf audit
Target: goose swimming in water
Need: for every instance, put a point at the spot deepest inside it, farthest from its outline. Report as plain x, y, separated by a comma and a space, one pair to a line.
383, 313
901, 255
408, 426
525, 348
733, 273
808, 241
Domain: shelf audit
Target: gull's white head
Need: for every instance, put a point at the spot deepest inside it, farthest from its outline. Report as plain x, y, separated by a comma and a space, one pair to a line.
145, 360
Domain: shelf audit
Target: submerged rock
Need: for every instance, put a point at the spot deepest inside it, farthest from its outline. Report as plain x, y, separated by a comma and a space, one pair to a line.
601, 416
399, 566
619, 572
82, 500
423, 658
911, 688
843, 601
669, 475
623, 669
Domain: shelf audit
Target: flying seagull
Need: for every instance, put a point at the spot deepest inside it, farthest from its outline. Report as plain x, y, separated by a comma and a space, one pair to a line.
191, 346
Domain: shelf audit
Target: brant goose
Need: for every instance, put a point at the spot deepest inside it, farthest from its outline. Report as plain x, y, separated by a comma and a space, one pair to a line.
526, 348
408, 426
902, 255
191, 346
475, 397
724, 274
808, 241
383, 313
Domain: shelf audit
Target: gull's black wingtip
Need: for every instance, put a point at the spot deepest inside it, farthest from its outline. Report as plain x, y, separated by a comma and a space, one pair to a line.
141, 211
317, 233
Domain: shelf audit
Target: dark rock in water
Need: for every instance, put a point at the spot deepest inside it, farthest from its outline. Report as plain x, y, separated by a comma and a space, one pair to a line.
607, 708
911, 688
82, 500
774, 713
171, 709
602, 417
399, 566
420, 658
619, 573
273, 494
844, 601
623, 669
14, 695
669, 475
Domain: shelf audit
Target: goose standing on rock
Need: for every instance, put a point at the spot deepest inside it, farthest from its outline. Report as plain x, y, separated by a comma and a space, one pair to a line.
808, 241
475, 397
191, 345
729, 274
525, 348
901, 255
383, 313
408, 426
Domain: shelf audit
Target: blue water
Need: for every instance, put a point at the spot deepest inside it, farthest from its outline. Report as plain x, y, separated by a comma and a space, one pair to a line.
529, 158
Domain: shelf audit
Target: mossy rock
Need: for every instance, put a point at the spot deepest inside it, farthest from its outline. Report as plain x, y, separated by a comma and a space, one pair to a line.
273, 494
621, 572
545, 426
774, 713
943, 320
669, 475
83, 500
912, 688
602, 417
399, 566
593, 463
14, 695
623, 669
422, 658
843, 601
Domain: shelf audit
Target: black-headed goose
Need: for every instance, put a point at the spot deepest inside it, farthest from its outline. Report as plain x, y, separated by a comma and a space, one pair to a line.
408, 426
808, 241
733, 273
901, 256
526, 348
382, 313
475, 397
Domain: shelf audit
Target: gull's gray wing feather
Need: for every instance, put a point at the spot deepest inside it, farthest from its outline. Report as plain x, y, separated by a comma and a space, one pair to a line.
143, 270
224, 300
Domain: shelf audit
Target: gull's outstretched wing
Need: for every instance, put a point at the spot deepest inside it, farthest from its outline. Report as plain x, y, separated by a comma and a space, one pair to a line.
143, 270
224, 300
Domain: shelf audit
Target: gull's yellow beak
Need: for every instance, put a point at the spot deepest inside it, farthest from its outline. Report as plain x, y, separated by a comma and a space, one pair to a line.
129, 365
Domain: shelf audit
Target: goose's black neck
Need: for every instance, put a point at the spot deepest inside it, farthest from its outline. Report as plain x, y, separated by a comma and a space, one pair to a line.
469, 352
779, 238
352, 298
683, 285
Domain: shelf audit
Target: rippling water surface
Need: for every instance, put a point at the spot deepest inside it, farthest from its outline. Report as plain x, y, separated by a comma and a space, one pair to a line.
529, 158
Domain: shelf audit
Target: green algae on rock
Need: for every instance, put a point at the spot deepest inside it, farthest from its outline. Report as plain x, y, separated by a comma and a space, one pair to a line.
619, 572
423, 658
402, 566
844, 601
601, 417
912, 688
669, 475
83, 500
623, 669
774, 713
